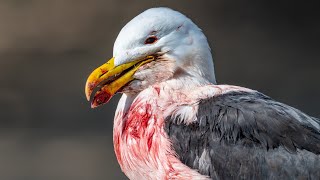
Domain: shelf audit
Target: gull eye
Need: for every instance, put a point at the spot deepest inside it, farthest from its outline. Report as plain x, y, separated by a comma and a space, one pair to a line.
150, 40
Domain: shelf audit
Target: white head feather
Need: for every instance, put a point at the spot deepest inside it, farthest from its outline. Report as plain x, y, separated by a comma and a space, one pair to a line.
179, 40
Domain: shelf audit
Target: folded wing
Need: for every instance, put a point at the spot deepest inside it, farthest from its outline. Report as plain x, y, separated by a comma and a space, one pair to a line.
248, 135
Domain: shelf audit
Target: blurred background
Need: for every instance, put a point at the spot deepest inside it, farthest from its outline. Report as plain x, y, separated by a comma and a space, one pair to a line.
48, 48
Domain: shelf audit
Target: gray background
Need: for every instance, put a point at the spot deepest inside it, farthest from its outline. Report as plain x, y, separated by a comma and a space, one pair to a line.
48, 48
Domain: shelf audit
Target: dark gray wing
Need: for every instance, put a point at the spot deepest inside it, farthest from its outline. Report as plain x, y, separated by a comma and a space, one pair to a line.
247, 135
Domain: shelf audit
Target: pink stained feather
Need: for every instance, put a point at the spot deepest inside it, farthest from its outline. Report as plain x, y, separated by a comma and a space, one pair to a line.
142, 147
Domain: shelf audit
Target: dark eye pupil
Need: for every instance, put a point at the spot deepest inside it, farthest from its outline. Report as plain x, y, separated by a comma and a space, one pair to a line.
150, 40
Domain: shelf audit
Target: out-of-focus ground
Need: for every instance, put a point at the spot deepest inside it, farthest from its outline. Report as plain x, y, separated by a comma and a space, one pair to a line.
48, 48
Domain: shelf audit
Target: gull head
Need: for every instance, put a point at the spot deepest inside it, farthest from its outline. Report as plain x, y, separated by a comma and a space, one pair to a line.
157, 46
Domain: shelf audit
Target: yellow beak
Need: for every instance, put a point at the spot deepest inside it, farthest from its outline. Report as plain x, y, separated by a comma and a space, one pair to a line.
109, 79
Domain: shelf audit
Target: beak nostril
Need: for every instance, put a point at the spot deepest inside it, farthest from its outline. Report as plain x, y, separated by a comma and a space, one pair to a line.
108, 79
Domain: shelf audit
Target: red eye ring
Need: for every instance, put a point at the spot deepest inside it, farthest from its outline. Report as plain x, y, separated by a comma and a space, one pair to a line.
151, 40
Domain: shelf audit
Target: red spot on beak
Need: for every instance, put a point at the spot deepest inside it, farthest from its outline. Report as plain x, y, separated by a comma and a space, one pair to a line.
100, 98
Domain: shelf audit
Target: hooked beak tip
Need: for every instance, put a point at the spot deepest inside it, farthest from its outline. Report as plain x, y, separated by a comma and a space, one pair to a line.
89, 89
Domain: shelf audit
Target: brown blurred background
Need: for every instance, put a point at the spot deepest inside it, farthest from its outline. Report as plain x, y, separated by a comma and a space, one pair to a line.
48, 48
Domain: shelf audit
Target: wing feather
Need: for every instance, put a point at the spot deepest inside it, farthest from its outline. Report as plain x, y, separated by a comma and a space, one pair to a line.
243, 135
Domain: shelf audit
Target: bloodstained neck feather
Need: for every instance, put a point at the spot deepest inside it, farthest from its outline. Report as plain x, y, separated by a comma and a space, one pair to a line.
142, 147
